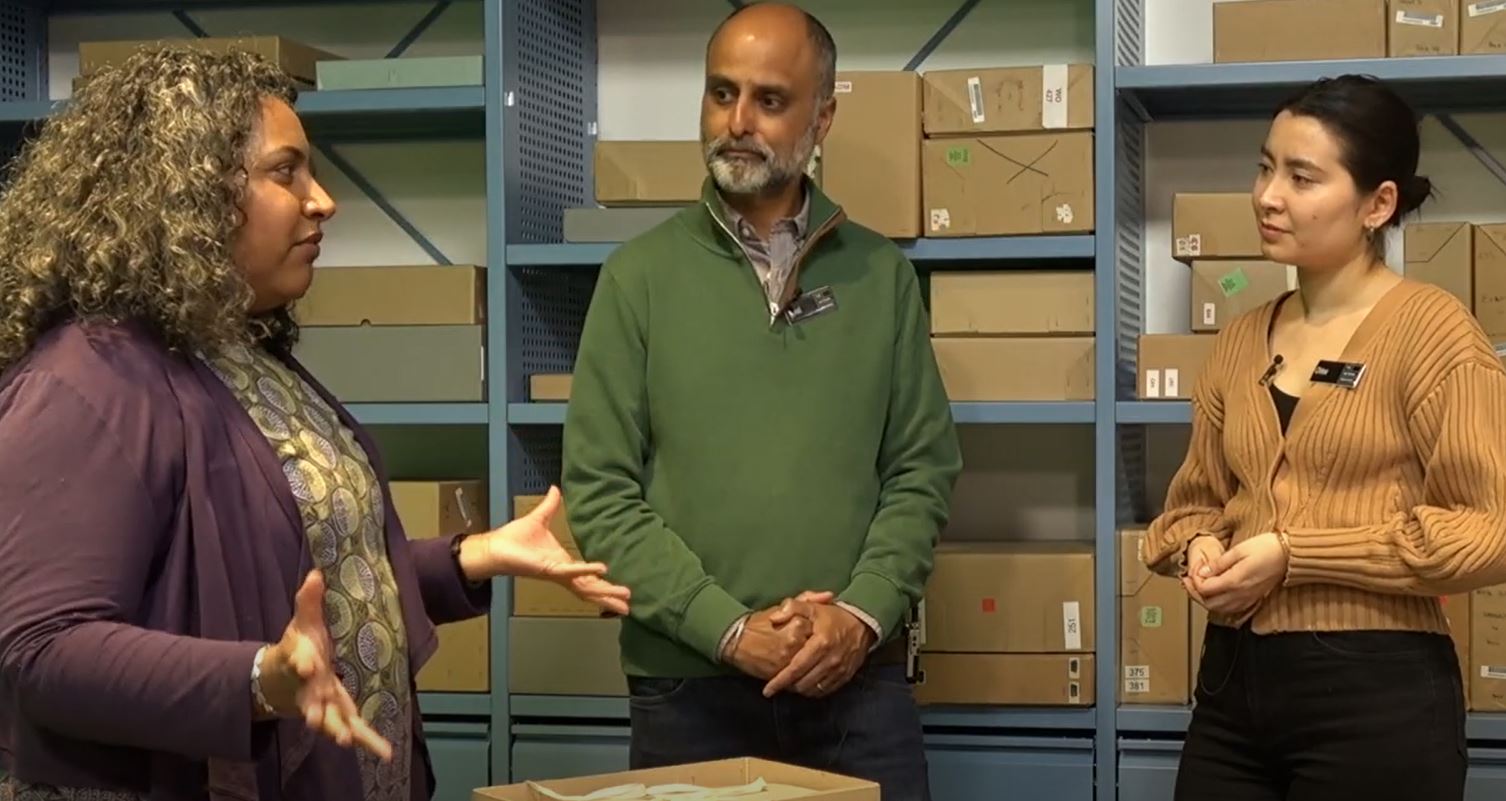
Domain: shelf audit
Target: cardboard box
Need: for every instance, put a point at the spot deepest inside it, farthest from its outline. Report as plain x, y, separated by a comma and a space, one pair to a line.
565, 656
1154, 622
638, 173
1012, 302
614, 225
1169, 364
1006, 679
549, 386
400, 73
1004, 185
418, 295
785, 782
1214, 225
1423, 28
540, 598
296, 59
1482, 27
1010, 598
1299, 30
1015, 368
1442, 254
1490, 280
1198, 633
430, 510
397, 363
1487, 650
1457, 609
1223, 290
870, 161
1009, 99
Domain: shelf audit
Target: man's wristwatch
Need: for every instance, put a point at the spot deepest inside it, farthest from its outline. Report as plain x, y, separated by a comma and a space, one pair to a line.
262, 707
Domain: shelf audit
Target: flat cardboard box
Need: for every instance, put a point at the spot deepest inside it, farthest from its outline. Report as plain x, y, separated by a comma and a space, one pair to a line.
1442, 254
1198, 633
397, 363
1169, 364
296, 59
1214, 225
1423, 28
1457, 609
416, 295
1299, 30
1006, 679
785, 782
1482, 27
1015, 368
870, 161
1154, 622
540, 598
1009, 99
1009, 185
1223, 290
565, 656
401, 73
614, 225
1487, 650
430, 510
1490, 280
630, 172
549, 387
1010, 598
1012, 302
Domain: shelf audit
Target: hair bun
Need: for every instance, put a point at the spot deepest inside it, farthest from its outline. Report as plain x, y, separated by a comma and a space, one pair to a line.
1414, 192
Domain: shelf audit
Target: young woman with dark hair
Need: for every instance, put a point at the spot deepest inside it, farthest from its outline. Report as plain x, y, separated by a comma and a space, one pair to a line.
1347, 467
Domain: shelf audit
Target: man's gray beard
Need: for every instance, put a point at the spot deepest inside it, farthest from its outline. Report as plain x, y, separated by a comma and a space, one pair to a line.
736, 177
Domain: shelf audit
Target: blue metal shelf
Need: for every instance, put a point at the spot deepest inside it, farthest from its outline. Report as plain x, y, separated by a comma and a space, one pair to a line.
546, 414
406, 114
475, 705
419, 414
975, 249
60, 7
1452, 83
1165, 412
1154, 719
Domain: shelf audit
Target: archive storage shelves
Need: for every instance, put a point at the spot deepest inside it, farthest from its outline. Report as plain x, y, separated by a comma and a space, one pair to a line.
1148, 738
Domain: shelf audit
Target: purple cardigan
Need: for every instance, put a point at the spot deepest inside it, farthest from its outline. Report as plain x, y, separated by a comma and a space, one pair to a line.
149, 544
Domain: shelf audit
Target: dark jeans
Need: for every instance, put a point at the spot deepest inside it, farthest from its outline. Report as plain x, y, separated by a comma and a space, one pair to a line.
869, 729
1364, 715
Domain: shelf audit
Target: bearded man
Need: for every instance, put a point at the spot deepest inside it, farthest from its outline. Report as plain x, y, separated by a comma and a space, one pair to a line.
759, 444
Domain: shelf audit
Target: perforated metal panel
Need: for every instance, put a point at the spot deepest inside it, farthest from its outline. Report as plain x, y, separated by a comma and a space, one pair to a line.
536, 462
1129, 32
552, 309
1129, 242
551, 74
21, 43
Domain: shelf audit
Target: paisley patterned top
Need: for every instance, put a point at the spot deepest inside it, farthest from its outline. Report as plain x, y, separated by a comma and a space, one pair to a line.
340, 502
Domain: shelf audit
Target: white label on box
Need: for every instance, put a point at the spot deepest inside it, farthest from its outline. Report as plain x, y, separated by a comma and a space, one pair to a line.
1420, 19
920, 615
843, 88
1291, 277
1488, 7
465, 512
1501, 349
1152, 383
1171, 387
1072, 625
1492, 672
1137, 671
1074, 668
1054, 96
1064, 214
1210, 314
975, 98
941, 219
1136, 686
1074, 693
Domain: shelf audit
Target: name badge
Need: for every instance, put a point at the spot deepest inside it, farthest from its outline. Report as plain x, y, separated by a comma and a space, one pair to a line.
1345, 374
810, 304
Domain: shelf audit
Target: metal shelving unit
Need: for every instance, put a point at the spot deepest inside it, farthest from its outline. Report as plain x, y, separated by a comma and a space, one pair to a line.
1000, 249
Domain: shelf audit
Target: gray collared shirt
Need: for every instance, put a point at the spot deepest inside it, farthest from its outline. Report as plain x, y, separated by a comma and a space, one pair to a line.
773, 259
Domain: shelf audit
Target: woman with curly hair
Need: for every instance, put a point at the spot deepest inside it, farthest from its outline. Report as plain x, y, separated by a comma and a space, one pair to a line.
204, 590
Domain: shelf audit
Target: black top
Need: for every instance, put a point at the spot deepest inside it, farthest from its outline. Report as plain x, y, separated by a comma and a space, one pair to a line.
1285, 405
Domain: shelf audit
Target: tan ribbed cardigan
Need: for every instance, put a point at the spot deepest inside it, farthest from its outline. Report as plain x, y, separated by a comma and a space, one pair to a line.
1390, 494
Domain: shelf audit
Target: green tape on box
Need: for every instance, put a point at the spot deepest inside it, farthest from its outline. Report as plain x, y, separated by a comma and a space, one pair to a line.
958, 157
1150, 617
1234, 283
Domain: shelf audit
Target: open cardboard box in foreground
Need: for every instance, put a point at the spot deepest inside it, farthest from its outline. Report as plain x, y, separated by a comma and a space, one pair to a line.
781, 783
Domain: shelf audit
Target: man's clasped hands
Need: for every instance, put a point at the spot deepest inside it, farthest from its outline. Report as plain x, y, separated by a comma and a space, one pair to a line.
807, 643
1232, 582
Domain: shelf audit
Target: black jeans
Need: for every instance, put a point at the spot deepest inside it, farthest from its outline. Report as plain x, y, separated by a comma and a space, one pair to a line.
869, 729
1363, 715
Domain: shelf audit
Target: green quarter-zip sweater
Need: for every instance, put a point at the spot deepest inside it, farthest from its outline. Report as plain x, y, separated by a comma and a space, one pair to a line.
719, 463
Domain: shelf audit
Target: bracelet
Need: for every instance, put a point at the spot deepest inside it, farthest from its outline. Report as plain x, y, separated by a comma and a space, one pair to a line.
455, 556
256, 694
